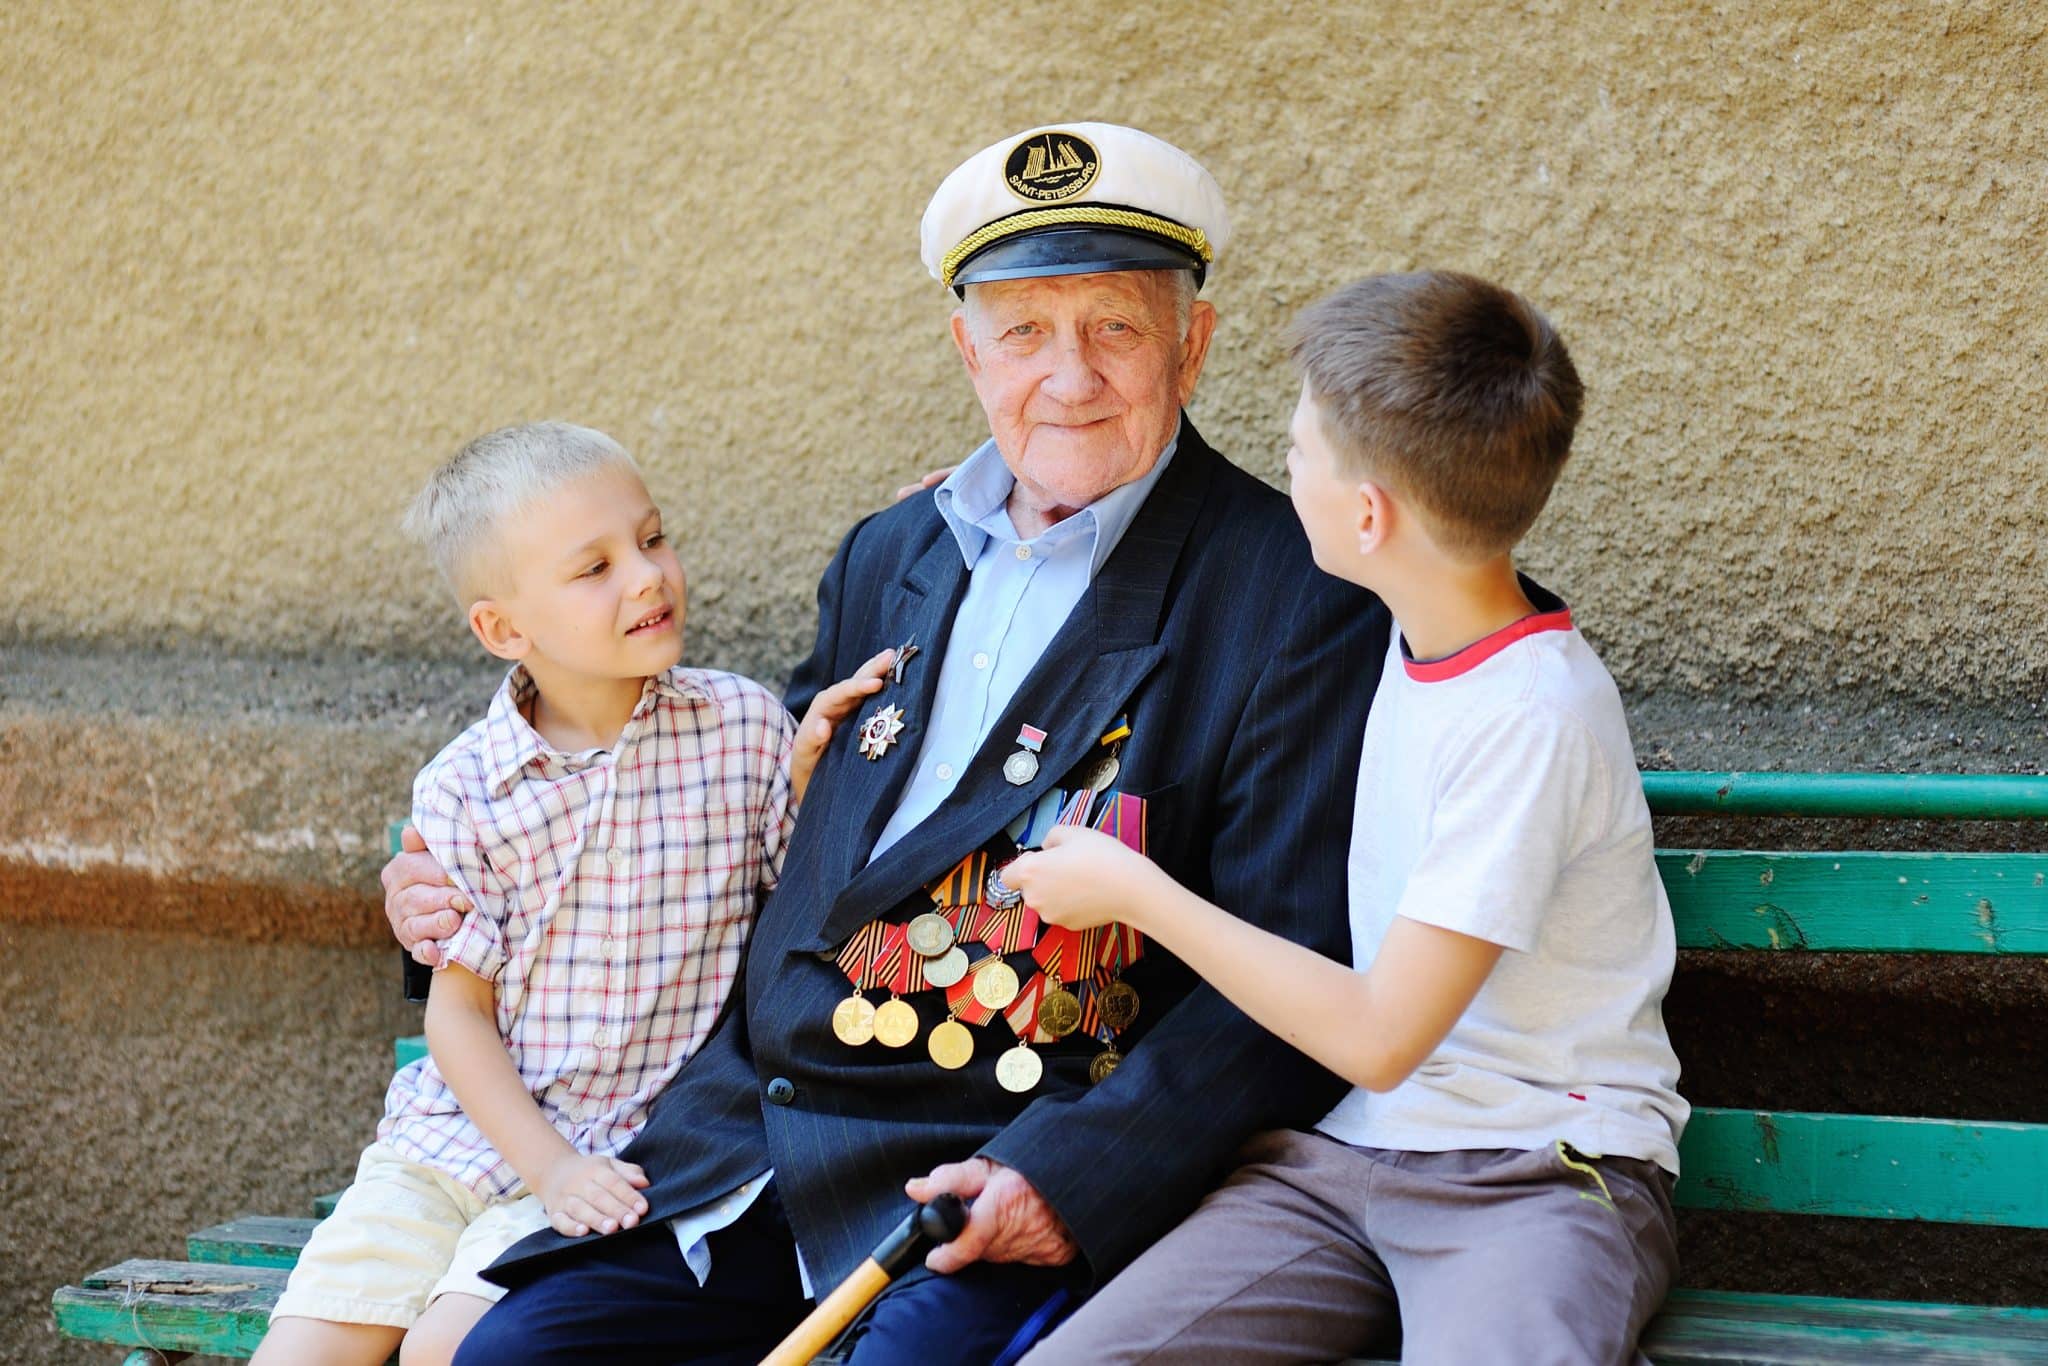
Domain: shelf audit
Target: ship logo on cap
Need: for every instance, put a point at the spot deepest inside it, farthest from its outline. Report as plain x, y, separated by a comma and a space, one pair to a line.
1048, 167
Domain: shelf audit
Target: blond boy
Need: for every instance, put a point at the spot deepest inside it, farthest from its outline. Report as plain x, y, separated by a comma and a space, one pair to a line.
614, 820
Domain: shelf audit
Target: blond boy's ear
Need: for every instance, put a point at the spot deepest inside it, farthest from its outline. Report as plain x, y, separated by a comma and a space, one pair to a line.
494, 629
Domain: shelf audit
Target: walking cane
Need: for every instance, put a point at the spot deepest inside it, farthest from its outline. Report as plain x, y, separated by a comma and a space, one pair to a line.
921, 1230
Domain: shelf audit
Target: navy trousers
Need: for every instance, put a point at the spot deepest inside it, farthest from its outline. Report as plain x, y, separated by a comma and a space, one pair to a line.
630, 1298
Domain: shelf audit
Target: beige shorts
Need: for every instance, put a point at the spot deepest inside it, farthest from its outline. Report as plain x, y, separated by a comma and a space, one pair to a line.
401, 1235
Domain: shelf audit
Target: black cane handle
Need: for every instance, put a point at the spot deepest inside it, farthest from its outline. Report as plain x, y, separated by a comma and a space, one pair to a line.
923, 1229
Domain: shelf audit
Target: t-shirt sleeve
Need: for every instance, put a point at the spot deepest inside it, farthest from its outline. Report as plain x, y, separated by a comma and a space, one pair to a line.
443, 819
778, 815
1511, 802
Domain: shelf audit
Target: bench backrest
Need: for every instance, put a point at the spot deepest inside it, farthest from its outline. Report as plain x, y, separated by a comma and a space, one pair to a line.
1868, 1166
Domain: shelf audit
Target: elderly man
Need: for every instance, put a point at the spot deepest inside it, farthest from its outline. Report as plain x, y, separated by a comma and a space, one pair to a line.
1100, 620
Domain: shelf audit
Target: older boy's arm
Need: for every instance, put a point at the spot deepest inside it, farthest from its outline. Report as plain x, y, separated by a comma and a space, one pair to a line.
582, 1193
1372, 1028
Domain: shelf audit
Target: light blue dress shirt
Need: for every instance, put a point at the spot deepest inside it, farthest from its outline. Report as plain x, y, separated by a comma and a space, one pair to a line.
1019, 595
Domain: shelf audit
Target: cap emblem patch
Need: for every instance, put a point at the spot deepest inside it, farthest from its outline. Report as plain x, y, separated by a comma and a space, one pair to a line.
1048, 167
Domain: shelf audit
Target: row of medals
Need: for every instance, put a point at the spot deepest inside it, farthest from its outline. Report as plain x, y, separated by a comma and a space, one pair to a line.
931, 936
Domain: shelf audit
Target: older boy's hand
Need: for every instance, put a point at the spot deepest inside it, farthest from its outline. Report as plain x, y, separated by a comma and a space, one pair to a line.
929, 480
419, 901
1008, 1221
586, 1194
1083, 878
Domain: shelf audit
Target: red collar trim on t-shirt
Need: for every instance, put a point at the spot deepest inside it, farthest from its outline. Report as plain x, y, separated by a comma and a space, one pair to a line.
1486, 647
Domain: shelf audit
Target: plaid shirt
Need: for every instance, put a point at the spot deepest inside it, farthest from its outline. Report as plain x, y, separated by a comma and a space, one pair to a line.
613, 894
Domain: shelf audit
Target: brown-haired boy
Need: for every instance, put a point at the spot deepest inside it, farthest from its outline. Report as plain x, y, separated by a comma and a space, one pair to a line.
1497, 1182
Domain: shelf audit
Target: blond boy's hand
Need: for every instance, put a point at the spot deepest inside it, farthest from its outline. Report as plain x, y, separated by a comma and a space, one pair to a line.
1084, 877
584, 1194
828, 710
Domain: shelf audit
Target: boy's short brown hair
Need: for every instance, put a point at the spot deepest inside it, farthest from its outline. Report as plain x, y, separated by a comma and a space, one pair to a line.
1455, 392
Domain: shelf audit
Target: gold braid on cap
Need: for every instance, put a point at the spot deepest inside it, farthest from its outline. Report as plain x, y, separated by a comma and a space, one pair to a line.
1194, 239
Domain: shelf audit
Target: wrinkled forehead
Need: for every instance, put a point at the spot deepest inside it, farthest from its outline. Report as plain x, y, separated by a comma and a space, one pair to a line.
1148, 291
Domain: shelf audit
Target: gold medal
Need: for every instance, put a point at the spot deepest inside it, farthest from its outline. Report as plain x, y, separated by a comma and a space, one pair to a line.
930, 934
948, 968
995, 984
1059, 1011
895, 1022
951, 1044
1103, 1063
1019, 1068
853, 1020
1100, 774
1118, 1003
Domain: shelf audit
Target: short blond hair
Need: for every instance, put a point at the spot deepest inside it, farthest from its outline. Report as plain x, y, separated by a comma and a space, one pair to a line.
459, 514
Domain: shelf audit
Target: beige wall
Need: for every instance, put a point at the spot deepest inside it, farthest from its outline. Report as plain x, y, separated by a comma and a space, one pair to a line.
264, 263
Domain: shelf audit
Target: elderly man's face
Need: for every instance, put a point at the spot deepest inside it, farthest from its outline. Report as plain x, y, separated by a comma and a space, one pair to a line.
1082, 376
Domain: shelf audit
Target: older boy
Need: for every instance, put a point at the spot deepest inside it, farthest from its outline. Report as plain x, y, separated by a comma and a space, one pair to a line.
615, 819
1498, 1179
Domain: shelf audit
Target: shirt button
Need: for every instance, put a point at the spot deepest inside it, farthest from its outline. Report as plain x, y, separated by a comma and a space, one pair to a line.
781, 1091
601, 1038
1023, 552
615, 856
981, 659
944, 773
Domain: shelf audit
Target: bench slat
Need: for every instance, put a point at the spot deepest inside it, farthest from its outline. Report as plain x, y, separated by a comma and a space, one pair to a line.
1866, 1167
253, 1240
1698, 1326
1877, 796
174, 1306
1861, 902
408, 1048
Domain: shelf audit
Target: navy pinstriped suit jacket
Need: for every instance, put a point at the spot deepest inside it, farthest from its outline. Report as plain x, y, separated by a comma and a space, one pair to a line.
1246, 674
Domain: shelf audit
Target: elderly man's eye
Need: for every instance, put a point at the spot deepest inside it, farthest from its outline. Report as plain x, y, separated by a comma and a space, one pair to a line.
1021, 330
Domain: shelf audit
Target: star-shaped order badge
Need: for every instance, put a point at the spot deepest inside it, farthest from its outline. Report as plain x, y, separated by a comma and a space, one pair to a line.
879, 731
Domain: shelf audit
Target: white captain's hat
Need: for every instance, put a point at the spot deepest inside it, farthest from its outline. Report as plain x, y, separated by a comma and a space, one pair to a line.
1069, 199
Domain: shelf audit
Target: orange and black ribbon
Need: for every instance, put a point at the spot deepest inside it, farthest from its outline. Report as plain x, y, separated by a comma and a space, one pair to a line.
860, 952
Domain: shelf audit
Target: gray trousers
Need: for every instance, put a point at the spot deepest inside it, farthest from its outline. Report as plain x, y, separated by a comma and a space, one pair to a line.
1315, 1251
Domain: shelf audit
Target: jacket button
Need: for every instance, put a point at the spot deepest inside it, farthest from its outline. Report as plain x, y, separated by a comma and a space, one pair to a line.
781, 1091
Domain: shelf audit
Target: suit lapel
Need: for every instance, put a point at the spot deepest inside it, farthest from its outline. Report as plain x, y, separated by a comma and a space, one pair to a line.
919, 607
1107, 647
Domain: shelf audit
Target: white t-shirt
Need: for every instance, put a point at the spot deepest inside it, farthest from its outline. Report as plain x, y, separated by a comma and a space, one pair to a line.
1498, 797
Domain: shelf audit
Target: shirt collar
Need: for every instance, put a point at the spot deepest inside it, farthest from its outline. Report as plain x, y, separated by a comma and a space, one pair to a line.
973, 502
511, 742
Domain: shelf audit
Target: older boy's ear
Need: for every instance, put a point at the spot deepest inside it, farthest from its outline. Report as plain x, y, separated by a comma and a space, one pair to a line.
1375, 511
495, 631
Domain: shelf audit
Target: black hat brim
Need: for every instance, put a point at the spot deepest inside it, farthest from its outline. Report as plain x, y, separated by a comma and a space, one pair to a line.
1073, 251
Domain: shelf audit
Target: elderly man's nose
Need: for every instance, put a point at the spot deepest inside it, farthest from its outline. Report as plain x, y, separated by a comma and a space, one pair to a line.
1074, 378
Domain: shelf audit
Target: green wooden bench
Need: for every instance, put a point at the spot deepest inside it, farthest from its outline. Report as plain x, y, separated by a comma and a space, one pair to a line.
1982, 1172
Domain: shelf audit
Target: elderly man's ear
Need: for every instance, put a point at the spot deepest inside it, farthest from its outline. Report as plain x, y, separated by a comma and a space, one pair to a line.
1195, 350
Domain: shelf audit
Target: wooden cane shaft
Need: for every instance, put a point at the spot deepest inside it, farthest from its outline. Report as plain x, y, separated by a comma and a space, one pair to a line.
830, 1318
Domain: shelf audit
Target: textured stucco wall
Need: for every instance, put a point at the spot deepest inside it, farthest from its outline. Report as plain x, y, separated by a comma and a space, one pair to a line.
264, 263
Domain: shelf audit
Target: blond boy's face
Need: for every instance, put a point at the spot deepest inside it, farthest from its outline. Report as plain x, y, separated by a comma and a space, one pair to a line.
1325, 498
595, 588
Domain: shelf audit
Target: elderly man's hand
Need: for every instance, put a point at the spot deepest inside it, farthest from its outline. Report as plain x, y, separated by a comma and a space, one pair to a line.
1009, 1220
419, 901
